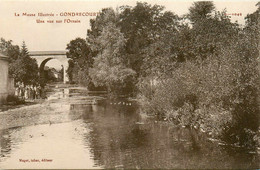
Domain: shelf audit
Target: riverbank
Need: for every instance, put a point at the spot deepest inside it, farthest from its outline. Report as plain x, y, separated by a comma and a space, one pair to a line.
109, 125
49, 89
11, 105
58, 106
112, 135
28, 114
54, 109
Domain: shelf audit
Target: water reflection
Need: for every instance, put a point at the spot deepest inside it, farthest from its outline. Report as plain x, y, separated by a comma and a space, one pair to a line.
5, 143
117, 141
109, 135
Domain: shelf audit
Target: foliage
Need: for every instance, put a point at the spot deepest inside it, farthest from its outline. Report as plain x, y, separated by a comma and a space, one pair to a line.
139, 26
22, 67
107, 15
200, 70
143, 25
216, 95
200, 10
109, 67
206, 76
10, 50
25, 69
80, 53
81, 60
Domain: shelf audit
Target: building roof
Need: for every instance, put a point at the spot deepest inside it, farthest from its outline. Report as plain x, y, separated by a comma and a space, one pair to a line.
3, 57
42, 53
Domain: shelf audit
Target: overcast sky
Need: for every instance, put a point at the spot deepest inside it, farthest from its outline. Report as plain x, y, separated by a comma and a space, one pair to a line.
54, 36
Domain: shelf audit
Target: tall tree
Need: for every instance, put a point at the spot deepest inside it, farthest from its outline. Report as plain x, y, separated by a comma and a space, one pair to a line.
142, 25
109, 67
201, 10
210, 31
107, 15
25, 69
81, 60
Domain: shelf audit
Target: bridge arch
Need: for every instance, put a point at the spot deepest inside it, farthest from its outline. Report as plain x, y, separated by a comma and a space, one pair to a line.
42, 57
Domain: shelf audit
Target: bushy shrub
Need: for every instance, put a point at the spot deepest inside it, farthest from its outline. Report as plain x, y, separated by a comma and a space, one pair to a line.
217, 94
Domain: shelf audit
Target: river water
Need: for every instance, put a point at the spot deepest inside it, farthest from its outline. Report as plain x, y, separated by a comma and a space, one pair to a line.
112, 134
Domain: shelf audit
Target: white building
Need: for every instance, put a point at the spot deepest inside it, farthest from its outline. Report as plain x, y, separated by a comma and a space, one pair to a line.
6, 83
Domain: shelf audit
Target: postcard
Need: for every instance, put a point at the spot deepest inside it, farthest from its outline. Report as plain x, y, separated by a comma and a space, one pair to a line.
109, 84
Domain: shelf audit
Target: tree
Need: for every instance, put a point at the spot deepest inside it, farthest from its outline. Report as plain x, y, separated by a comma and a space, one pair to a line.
142, 26
107, 15
80, 53
10, 50
21, 67
81, 60
200, 10
209, 75
109, 67
209, 31
25, 69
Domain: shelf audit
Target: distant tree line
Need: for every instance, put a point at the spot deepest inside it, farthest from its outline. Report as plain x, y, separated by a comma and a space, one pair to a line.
198, 70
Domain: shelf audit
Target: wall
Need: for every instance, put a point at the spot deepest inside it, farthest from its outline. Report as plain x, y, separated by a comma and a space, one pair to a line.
11, 88
3, 79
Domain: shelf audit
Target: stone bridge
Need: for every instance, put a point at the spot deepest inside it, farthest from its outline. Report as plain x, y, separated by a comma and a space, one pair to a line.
42, 57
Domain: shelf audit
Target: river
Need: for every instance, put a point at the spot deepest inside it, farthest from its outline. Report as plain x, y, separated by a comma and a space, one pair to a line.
112, 134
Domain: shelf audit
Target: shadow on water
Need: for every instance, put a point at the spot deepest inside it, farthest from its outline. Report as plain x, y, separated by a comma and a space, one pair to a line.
118, 139
113, 134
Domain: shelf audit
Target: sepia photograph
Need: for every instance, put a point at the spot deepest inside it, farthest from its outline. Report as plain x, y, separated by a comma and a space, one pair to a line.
110, 84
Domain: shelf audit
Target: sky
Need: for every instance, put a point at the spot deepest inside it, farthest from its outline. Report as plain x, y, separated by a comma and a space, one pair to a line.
55, 36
